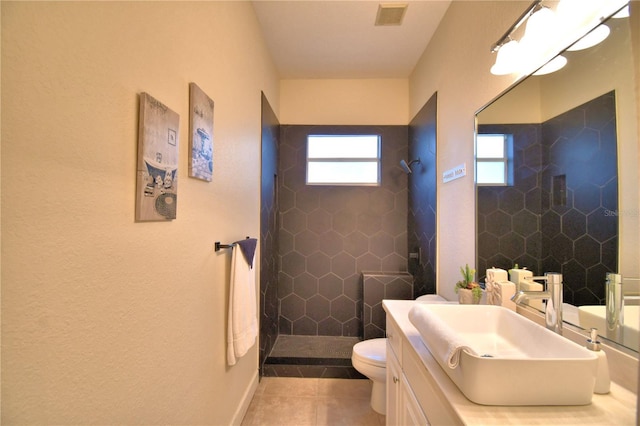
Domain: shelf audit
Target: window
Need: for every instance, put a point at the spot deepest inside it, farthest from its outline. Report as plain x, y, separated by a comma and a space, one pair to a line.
493, 159
343, 160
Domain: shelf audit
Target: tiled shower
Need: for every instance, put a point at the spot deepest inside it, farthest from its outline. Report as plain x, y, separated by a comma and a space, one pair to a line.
325, 237
330, 234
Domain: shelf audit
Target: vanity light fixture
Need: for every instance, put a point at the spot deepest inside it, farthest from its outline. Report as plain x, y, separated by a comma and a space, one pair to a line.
537, 42
597, 36
549, 31
552, 66
506, 37
506, 58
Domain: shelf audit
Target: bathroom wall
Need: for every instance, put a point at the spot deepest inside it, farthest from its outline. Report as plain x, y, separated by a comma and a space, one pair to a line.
371, 101
269, 227
456, 65
104, 320
330, 234
422, 198
108, 321
530, 225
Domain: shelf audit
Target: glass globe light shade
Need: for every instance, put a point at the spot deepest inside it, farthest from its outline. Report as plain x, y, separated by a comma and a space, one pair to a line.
591, 39
552, 66
506, 59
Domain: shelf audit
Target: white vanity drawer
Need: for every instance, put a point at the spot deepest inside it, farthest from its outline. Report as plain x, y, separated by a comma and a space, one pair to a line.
394, 336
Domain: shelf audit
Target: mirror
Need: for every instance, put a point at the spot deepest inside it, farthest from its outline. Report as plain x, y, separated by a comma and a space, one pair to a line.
571, 205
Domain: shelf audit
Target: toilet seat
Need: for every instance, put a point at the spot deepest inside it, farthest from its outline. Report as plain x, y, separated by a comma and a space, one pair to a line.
372, 352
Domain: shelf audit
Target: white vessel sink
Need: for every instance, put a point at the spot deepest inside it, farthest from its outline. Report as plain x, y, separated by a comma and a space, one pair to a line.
595, 316
510, 360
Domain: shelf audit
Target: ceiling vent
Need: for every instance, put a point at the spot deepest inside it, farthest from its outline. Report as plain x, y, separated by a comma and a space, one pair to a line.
390, 13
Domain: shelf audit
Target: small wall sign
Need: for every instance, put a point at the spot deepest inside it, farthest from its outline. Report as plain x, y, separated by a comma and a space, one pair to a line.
455, 173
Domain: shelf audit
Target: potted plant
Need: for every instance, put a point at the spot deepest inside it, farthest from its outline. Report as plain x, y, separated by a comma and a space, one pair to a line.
469, 291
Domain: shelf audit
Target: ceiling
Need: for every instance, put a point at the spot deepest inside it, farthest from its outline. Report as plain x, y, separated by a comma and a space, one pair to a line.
336, 39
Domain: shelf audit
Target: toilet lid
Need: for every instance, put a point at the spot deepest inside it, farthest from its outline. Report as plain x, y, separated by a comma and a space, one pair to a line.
433, 298
372, 351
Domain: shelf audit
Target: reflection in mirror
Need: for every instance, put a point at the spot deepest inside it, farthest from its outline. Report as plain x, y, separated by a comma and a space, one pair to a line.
570, 202
556, 216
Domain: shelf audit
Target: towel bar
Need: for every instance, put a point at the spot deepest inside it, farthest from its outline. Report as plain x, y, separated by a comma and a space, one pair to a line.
217, 246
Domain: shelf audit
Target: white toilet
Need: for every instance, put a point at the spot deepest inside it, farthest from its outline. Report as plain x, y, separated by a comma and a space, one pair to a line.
369, 357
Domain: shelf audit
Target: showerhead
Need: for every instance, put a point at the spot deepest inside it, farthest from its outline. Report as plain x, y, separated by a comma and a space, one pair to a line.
407, 167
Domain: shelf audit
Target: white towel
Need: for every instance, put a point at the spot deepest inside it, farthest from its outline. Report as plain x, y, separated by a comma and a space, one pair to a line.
242, 329
429, 325
494, 291
497, 275
507, 290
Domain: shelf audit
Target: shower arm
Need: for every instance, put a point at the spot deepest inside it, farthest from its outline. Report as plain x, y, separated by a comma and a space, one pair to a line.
407, 166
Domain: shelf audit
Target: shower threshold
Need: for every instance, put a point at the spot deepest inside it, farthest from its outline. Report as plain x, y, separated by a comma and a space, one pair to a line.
312, 356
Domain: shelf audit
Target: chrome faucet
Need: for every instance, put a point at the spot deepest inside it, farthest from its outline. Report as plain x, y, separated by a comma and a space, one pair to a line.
553, 295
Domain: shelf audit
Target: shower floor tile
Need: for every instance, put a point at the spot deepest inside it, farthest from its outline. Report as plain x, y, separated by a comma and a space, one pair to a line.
312, 356
313, 347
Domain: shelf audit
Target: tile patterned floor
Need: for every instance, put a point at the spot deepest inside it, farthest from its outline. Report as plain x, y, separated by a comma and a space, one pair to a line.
285, 401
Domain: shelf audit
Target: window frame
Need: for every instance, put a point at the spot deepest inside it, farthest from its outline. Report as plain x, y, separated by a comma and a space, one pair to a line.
377, 160
506, 159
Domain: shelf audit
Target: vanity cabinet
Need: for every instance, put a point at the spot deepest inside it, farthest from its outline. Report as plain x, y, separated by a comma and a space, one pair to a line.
402, 407
410, 393
394, 373
419, 392
410, 412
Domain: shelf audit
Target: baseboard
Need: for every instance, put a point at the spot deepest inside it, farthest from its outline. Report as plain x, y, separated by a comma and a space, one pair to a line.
238, 416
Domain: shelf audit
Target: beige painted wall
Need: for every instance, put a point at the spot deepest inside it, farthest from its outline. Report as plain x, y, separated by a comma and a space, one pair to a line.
105, 320
461, 93
456, 65
364, 102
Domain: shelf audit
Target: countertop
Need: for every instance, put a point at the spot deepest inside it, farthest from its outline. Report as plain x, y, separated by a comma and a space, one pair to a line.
618, 407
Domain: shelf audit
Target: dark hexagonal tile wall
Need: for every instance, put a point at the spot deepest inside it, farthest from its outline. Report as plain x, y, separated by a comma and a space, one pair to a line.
574, 224
335, 232
305, 285
421, 231
318, 264
318, 308
306, 243
269, 241
356, 244
525, 223
377, 287
578, 237
330, 286
292, 307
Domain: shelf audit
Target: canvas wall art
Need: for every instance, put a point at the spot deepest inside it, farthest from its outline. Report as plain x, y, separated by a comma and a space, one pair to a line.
200, 134
157, 169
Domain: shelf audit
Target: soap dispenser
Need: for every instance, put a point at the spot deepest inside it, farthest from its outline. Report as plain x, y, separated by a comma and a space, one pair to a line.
603, 382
